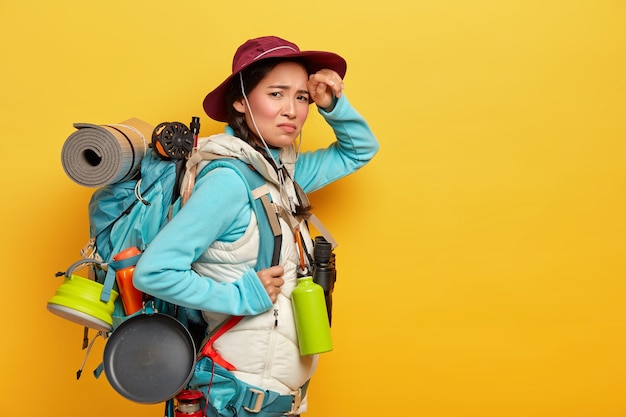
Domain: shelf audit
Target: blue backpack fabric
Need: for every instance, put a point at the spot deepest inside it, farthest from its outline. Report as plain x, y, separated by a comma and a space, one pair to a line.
131, 213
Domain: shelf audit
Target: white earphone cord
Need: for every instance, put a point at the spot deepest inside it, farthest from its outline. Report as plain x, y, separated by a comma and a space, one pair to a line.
245, 97
281, 176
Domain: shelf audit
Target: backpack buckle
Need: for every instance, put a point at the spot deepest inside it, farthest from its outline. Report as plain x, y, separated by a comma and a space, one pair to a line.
258, 404
297, 400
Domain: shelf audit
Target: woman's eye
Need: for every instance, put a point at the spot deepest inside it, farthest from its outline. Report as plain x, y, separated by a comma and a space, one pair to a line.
276, 94
303, 98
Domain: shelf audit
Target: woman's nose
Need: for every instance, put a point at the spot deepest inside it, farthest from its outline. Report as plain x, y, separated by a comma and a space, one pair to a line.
289, 109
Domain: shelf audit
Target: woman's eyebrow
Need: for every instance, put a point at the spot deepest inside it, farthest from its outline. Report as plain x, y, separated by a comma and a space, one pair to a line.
279, 86
287, 87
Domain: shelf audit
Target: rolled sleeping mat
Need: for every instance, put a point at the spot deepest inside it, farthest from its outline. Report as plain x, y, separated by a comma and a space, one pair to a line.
99, 155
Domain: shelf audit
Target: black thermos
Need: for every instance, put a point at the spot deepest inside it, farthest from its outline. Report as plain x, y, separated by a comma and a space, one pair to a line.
324, 271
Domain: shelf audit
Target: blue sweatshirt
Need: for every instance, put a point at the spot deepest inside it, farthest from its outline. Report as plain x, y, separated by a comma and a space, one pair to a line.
219, 210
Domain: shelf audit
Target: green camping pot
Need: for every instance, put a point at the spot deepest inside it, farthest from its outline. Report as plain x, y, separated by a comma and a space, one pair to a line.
78, 299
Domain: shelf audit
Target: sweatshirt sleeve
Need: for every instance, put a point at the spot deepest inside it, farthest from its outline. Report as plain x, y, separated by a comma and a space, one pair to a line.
164, 269
355, 146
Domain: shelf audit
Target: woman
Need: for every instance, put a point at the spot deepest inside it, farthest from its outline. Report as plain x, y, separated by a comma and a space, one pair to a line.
205, 257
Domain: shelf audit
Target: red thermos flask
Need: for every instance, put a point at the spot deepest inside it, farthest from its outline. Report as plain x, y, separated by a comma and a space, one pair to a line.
132, 298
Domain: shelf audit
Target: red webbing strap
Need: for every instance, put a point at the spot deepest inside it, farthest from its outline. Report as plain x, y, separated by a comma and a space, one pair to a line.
208, 350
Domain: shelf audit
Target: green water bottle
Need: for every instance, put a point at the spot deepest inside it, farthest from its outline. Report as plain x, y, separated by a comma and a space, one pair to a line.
312, 327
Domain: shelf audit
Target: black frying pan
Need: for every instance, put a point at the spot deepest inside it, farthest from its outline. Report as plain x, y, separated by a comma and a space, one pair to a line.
149, 358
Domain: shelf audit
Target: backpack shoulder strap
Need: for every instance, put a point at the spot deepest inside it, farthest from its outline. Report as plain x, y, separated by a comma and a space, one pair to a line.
260, 198
270, 235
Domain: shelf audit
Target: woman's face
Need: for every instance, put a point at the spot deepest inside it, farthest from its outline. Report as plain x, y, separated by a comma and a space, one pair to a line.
279, 104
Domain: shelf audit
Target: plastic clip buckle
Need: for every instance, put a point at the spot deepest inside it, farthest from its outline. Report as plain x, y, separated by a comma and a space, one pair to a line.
258, 404
297, 400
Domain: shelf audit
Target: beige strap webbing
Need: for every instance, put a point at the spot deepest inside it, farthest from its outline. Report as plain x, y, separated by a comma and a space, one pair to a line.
260, 191
310, 217
271, 215
200, 156
294, 223
288, 217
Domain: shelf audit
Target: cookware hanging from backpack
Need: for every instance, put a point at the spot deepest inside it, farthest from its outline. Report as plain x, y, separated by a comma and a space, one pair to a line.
78, 299
150, 357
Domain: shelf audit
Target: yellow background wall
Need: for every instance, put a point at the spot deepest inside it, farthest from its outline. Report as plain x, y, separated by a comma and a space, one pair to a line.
481, 253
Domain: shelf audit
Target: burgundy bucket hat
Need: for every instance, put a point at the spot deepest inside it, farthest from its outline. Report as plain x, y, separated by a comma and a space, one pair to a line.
257, 49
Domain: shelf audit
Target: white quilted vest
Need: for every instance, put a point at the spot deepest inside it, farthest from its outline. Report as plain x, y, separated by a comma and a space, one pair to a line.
263, 348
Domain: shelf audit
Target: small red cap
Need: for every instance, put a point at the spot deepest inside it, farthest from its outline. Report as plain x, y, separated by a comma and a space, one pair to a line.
188, 395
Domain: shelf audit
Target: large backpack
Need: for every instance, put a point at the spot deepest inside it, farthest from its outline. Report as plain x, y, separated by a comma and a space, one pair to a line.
131, 213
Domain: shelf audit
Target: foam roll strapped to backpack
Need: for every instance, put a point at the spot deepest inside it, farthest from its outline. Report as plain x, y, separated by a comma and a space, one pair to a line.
98, 155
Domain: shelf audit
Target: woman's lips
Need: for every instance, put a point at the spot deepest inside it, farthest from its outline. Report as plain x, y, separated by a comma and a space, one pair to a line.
289, 128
